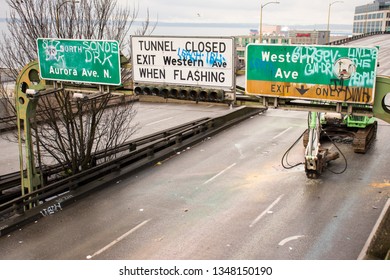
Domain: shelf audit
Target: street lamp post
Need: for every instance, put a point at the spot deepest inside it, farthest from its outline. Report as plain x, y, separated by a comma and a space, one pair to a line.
261, 18
58, 13
327, 29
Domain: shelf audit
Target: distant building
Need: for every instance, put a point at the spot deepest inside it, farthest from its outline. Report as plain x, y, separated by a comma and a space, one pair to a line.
372, 17
254, 32
295, 37
271, 29
243, 41
312, 37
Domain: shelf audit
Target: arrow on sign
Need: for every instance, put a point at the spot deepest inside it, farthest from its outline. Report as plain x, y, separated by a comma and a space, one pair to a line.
302, 90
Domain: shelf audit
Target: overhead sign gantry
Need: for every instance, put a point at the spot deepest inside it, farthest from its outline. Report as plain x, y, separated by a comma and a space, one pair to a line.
194, 68
60, 60
318, 79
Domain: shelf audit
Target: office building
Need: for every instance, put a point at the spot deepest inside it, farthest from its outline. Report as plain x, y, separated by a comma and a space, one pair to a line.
372, 17
312, 37
242, 41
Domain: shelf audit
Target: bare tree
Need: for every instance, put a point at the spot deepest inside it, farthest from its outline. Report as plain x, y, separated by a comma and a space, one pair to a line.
80, 128
7, 110
73, 130
88, 19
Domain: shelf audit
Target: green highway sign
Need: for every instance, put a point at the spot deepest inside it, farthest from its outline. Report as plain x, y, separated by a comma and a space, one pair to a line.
84, 61
325, 73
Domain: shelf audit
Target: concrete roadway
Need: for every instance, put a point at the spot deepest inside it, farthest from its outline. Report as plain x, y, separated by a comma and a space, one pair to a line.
226, 198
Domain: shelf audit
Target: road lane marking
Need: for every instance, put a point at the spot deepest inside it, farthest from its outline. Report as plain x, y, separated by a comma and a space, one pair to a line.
288, 239
219, 174
156, 122
118, 239
238, 147
255, 221
281, 133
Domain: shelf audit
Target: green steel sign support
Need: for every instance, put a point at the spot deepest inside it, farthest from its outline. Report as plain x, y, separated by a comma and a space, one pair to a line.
325, 73
84, 61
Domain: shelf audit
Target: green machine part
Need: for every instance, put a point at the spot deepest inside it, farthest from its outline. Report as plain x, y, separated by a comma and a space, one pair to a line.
381, 109
27, 84
358, 121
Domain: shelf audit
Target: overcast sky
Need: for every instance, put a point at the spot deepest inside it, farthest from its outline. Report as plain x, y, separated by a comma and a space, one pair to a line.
288, 12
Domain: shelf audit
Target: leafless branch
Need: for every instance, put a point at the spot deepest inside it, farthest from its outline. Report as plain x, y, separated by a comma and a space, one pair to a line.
72, 130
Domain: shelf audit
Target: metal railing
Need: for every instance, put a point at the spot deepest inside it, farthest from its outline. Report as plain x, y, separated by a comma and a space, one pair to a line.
357, 37
132, 156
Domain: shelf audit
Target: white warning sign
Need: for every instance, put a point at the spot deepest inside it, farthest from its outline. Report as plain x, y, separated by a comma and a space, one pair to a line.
201, 62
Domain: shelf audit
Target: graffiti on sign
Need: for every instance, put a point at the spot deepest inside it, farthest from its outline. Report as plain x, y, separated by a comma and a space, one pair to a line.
90, 61
344, 74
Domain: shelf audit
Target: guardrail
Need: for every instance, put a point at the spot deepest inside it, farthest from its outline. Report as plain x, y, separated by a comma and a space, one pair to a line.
357, 37
141, 153
9, 123
377, 246
135, 147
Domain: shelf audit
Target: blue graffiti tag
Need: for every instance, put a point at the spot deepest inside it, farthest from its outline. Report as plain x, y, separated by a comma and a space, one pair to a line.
211, 58
189, 55
257, 64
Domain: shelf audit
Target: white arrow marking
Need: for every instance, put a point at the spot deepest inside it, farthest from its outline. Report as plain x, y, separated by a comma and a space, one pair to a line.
288, 239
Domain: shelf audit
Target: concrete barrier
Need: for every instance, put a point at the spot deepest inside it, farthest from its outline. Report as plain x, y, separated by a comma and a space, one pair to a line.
356, 37
377, 246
